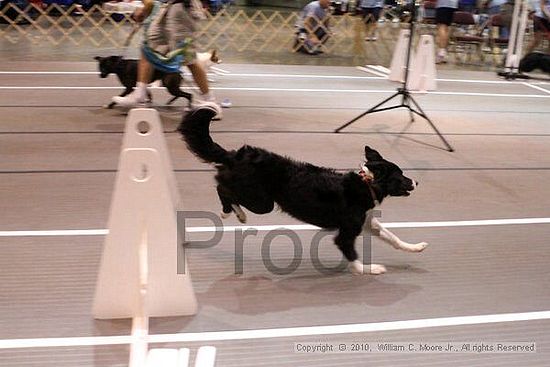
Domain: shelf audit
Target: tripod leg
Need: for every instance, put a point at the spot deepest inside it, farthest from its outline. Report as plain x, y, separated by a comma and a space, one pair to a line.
422, 114
407, 104
373, 109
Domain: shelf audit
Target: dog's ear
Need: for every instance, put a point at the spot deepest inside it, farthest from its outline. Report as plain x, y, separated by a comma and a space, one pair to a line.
214, 56
97, 58
372, 155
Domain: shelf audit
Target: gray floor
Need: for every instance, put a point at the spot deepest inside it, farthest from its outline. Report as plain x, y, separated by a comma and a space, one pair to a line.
60, 149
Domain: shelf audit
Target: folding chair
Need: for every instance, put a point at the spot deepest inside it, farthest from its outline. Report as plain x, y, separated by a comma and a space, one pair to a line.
466, 36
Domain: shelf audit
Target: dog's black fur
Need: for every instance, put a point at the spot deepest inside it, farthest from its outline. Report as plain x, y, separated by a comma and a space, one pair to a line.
535, 60
127, 70
258, 179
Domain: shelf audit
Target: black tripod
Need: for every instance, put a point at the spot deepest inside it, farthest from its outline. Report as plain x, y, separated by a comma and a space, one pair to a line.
406, 97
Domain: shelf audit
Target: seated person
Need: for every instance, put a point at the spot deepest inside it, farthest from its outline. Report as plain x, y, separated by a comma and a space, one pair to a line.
312, 27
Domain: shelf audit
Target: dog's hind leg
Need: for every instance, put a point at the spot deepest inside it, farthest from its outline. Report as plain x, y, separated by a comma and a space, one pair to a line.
226, 202
241, 215
228, 206
179, 93
172, 83
345, 240
172, 100
393, 240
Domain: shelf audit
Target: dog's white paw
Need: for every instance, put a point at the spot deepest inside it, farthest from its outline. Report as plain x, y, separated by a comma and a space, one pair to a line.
357, 268
374, 269
241, 217
418, 247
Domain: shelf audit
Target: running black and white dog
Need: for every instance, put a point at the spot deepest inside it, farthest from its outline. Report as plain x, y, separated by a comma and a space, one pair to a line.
257, 179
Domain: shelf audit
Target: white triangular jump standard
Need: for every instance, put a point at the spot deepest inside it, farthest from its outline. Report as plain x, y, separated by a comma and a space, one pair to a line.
138, 275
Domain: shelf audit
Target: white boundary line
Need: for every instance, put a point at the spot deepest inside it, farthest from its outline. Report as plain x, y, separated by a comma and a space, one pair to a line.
279, 332
380, 68
273, 75
372, 71
536, 87
49, 72
301, 90
294, 227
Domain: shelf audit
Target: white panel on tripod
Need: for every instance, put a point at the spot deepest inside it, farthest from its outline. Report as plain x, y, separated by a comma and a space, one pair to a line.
422, 73
399, 58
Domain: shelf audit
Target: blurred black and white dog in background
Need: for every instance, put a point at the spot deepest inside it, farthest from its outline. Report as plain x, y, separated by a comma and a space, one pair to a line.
534, 61
126, 71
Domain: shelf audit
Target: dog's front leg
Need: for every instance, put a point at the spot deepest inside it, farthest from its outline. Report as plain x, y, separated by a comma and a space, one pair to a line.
345, 240
392, 239
358, 268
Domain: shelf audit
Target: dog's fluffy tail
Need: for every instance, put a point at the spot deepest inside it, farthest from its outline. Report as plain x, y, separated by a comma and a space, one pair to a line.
195, 129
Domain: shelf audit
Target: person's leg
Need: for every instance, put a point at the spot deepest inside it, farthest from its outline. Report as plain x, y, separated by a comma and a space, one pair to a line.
442, 43
145, 73
139, 95
442, 36
200, 78
376, 16
368, 19
444, 18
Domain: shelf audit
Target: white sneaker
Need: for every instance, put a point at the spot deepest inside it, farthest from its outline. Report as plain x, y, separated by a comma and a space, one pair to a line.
441, 57
209, 105
131, 100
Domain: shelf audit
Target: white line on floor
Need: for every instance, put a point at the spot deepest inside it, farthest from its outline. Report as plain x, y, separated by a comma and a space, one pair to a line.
280, 332
300, 90
307, 76
49, 72
369, 70
380, 68
293, 227
536, 87
275, 75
